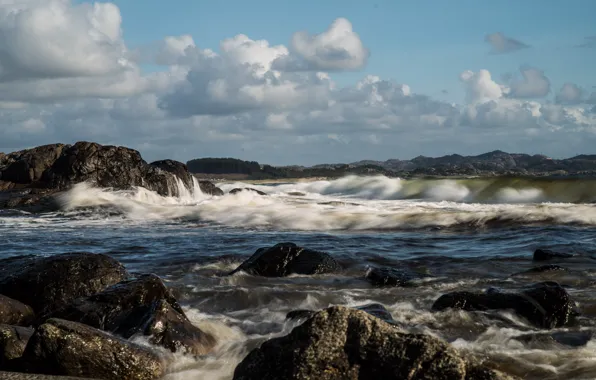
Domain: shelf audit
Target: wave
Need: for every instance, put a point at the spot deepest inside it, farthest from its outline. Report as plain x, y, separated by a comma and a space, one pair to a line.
351, 203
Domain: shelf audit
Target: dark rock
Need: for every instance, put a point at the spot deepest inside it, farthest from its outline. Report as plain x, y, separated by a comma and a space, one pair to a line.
60, 347
238, 190
34, 376
28, 166
565, 338
391, 277
341, 343
210, 189
284, 259
545, 304
48, 283
13, 340
543, 269
547, 254
141, 306
177, 168
374, 309
13, 312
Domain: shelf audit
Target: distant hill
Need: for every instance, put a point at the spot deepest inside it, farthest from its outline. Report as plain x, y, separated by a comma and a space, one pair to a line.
496, 163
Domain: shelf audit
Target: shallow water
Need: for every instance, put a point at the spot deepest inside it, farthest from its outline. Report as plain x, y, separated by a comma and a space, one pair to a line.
462, 235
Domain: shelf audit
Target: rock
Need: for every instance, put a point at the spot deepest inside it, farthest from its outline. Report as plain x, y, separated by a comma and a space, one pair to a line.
28, 166
390, 277
238, 190
210, 189
48, 283
13, 340
542, 269
177, 168
13, 312
546, 254
374, 309
284, 259
66, 348
545, 304
31, 376
566, 338
341, 343
141, 306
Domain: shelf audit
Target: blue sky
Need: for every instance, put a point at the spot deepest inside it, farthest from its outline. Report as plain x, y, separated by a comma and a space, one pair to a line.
424, 43
300, 82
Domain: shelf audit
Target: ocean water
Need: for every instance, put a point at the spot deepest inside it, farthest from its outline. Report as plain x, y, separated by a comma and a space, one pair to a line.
460, 234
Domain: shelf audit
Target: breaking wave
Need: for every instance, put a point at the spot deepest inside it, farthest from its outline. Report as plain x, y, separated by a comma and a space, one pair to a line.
356, 203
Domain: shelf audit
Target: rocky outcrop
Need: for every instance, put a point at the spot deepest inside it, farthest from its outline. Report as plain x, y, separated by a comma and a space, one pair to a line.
546, 304
35, 175
391, 277
284, 259
13, 340
374, 309
342, 343
48, 283
13, 312
547, 254
209, 188
238, 190
143, 306
60, 347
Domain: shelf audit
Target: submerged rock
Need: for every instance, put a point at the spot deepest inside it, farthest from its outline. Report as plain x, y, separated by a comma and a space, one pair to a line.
13, 340
546, 304
48, 283
565, 338
238, 190
391, 277
210, 189
13, 312
284, 259
60, 347
342, 343
547, 254
543, 269
143, 306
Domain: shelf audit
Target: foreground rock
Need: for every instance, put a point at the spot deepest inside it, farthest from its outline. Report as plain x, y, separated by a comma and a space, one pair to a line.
284, 259
48, 283
547, 254
13, 340
374, 309
342, 343
391, 277
545, 304
67, 348
35, 175
141, 306
238, 190
13, 312
31, 376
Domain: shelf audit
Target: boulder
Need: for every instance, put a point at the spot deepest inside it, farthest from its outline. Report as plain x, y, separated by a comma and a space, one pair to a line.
342, 343
143, 306
13, 312
374, 309
13, 340
547, 254
28, 166
177, 168
546, 304
48, 283
209, 188
238, 190
284, 259
391, 277
33, 376
66, 348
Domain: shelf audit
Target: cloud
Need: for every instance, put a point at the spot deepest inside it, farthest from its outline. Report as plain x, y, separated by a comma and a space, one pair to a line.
502, 44
569, 94
533, 85
480, 87
338, 48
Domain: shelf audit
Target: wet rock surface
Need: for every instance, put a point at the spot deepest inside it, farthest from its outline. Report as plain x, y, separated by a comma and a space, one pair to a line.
31, 376
177, 168
142, 306
344, 343
546, 304
284, 259
13, 340
13, 312
374, 309
60, 347
209, 188
48, 283
546, 254
391, 277
238, 190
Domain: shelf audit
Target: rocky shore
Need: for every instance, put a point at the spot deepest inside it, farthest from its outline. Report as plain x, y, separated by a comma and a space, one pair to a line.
81, 315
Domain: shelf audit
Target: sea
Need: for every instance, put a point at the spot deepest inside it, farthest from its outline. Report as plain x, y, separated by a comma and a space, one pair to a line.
459, 234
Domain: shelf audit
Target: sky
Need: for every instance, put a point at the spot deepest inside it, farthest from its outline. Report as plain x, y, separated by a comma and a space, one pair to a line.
300, 82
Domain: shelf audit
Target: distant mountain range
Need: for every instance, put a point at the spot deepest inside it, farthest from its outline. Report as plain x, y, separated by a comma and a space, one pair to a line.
496, 163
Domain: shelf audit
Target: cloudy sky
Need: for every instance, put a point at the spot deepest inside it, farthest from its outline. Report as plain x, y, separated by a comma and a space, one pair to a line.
300, 82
